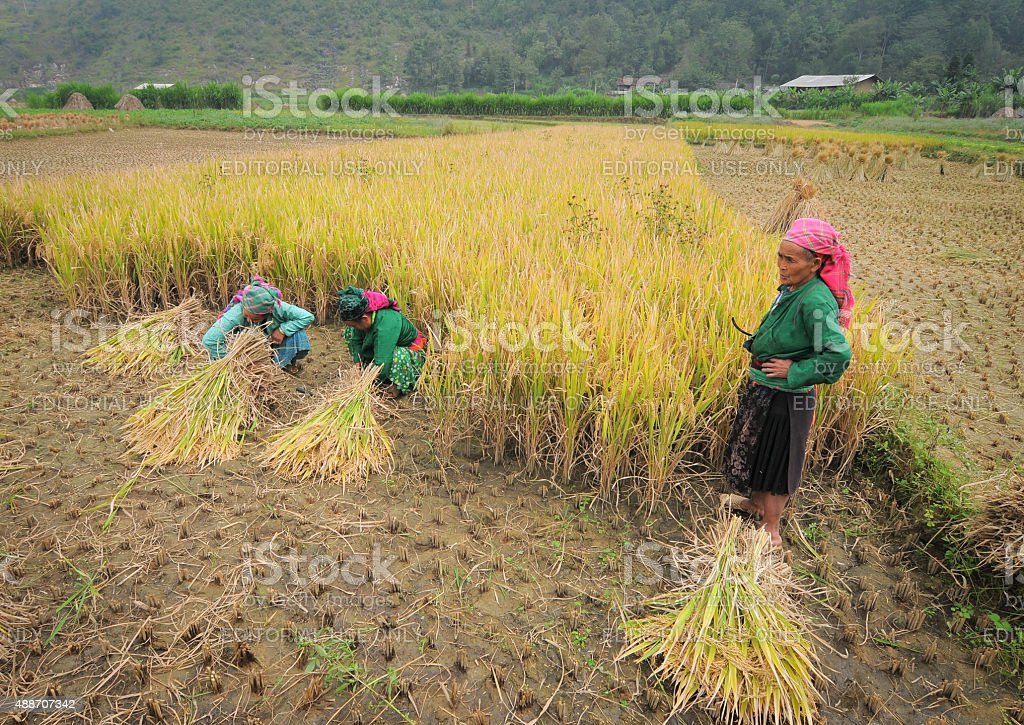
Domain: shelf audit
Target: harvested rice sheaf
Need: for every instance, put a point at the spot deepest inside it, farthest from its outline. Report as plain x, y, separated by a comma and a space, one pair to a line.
153, 346
798, 203
732, 639
201, 417
340, 439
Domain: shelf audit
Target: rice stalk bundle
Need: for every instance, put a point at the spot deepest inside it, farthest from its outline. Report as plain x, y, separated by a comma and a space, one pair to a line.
732, 638
982, 167
798, 203
202, 417
996, 526
888, 161
339, 440
1004, 167
153, 345
821, 169
860, 167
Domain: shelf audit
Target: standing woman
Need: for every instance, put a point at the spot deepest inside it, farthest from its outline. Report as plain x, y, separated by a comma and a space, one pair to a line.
260, 305
379, 334
800, 343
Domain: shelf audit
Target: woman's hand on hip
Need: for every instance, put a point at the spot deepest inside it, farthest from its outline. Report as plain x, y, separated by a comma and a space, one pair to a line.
776, 368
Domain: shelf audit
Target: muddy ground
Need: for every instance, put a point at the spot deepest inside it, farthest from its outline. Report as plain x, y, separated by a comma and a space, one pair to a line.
496, 598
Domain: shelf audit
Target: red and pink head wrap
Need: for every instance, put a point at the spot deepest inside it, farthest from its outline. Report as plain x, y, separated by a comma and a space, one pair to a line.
822, 239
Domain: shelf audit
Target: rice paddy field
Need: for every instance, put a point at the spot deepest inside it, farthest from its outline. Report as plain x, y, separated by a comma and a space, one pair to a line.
542, 512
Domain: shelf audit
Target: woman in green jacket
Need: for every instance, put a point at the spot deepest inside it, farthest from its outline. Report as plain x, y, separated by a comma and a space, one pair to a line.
260, 305
800, 343
379, 334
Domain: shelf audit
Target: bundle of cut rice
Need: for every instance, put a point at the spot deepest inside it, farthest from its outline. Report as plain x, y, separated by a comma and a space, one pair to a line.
732, 639
154, 345
202, 417
339, 439
798, 203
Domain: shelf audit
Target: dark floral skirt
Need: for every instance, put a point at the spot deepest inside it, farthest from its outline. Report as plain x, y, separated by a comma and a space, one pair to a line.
768, 441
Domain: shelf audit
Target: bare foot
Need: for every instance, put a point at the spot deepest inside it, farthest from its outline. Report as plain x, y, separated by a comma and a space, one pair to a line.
745, 504
735, 501
391, 392
776, 538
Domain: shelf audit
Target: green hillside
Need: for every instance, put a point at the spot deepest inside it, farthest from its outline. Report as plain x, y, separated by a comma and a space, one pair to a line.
541, 46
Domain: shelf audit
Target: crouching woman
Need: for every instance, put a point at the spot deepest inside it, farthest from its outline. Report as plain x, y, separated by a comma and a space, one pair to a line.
379, 334
260, 305
799, 343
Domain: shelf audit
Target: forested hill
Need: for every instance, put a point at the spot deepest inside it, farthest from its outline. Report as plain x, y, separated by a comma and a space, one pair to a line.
501, 45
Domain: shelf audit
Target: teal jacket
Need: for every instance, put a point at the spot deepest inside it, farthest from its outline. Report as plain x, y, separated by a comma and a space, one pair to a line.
286, 317
803, 326
377, 345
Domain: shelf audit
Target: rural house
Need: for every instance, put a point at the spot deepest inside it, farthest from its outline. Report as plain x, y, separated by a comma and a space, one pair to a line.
862, 82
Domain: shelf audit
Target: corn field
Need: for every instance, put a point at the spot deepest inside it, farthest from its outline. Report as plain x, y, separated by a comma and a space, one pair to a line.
578, 291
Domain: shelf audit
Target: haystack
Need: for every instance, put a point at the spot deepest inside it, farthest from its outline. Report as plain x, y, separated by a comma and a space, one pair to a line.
996, 526
77, 102
129, 102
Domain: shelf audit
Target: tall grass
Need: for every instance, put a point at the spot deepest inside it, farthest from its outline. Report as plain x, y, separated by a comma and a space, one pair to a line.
182, 95
583, 103
580, 316
100, 96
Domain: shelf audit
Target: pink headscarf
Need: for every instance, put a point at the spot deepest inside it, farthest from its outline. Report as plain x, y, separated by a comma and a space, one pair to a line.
821, 238
378, 301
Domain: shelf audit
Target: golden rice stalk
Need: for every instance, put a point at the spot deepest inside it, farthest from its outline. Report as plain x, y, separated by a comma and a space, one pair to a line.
996, 527
154, 345
799, 202
338, 440
19, 237
732, 639
201, 417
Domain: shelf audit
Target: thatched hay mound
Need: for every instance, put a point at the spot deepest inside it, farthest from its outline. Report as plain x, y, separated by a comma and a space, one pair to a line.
129, 102
77, 102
